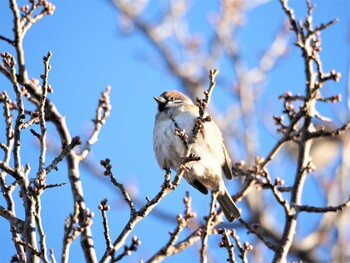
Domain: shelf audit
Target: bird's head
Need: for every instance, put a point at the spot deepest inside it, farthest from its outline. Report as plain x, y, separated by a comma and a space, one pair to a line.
171, 99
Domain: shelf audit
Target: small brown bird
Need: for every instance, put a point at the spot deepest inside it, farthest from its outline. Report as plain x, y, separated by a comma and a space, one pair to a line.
176, 110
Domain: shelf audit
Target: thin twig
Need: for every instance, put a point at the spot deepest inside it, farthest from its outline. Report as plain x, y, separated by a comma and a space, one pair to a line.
226, 243
141, 214
11, 42
104, 208
208, 226
182, 223
108, 172
102, 113
67, 148
42, 235
71, 232
42, 121
135, 242
52, 255
251, 229
334, 133
243, 249
327, 209
28, 245
47, 186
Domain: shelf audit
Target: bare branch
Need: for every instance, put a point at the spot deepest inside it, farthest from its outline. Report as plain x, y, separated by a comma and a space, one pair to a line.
206, 231
135, 242
182, 222
42, 235
11, 42
327, 209
104, 208
334, 133
47, 186
226, 243
141, 214
253, 229
42, 121
9, 170
106, 164
66, 149
102, 113
17, 223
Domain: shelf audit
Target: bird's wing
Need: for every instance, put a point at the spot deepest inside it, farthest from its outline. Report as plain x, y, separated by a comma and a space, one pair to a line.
199, 186
227, 165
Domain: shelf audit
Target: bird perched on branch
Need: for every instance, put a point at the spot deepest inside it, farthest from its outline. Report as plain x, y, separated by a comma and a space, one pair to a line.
177, 113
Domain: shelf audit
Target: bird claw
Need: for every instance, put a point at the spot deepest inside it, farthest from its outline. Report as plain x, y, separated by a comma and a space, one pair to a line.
184, 167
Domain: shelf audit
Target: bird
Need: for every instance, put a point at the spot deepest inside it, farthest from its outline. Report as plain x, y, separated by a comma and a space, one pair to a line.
176, 111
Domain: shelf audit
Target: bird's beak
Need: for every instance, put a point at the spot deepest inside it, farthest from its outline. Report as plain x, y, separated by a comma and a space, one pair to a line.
159, 100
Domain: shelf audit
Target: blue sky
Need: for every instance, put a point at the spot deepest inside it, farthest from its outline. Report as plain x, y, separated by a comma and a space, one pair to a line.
90, 53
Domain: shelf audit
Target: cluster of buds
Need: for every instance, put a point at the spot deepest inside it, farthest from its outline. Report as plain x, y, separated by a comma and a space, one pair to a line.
254, 227
106, 164
8, 59
135, 243
310, 167
199, 125
238, 169
71, 223
335, 75
25, 92
49, 89
48, 6
104, 101
333, 99
316, 43
41, 176
279, 122
239, 165
25, 8
253, 169
103, 205
88, 217
247, 246
188, 208
64, 144
192, 157
33, 188
75, 142
35, 185
278, 181
183, 220
202, 103
182, 135
288, 102
5, 98
225, 241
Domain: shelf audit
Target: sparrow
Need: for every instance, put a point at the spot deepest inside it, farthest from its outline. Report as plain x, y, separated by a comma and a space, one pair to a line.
177, 111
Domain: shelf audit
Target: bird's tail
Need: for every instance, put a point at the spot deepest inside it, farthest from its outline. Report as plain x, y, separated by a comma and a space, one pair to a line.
229, 207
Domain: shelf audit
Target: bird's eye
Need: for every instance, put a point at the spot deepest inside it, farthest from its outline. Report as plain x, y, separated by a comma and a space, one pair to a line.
171, 98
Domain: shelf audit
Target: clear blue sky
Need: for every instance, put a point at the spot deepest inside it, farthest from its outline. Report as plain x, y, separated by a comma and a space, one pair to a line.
89, 53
